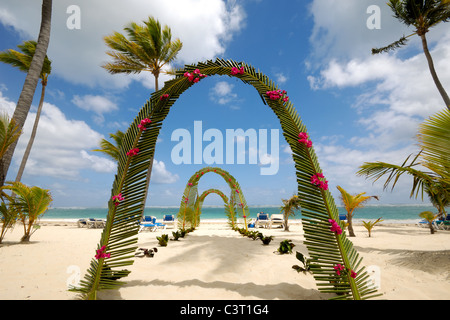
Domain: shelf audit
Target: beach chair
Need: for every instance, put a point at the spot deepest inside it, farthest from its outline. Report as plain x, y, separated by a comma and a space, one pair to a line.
343, 217
262, 220
95, 223
276, 220
82, 223
147, 223
169, 220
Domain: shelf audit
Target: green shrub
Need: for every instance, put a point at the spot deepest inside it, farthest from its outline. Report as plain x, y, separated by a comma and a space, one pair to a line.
163, 240
286, 246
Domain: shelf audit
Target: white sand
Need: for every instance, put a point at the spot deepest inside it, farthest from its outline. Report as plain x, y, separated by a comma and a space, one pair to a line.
214, 262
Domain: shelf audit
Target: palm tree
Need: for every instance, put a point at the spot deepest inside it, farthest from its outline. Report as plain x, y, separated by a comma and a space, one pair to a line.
31, 80
422, 15
434, 137
110, 149
22, 60
30, 203
9, 132
351, 203
289, 205
148, 48
429, 217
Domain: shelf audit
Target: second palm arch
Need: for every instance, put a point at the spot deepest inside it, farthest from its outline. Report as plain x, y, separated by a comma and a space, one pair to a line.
326, 248
191, 202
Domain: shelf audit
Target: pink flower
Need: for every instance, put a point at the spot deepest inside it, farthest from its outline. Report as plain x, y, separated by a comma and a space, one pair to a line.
335, 227
133, 152
339, 268
321, 184
236, 71
117, 199
164, 97
304, 139
195, 76
101, 254
144, 123
237, 191
353, 274
190, 184
277, 94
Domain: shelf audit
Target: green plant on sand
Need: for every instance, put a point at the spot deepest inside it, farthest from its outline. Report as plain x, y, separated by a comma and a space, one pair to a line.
429, 217
370, 224
286, 247
163, 240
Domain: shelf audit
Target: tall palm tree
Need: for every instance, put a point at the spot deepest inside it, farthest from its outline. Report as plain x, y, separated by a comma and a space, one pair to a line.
351, 203
30, 203
22, 60
110, 149
422, 15
433, 138
288, 209
31, 80
149, 47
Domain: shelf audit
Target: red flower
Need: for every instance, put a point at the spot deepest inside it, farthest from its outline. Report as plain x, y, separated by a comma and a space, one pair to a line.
133, 152
101, 254
236, 71
164, 97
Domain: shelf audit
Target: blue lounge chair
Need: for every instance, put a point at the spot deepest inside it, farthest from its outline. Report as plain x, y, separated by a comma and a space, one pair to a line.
343, 217
149, 222
262, 219
169, 220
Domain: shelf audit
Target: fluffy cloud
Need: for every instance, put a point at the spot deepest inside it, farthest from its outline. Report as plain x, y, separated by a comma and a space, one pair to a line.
222, 93
97, 104
77, 54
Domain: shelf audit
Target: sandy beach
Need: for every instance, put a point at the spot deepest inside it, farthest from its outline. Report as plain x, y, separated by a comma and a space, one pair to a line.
214, 262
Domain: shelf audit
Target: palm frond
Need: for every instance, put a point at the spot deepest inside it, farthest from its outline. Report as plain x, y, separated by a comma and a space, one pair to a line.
376, 170
434, 139
395, 45
326, 247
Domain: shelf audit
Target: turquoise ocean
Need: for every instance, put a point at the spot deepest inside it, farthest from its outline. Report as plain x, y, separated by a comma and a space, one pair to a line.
389, 213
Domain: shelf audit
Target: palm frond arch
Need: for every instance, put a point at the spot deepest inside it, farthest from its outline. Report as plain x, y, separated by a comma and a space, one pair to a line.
191, 202
337, 266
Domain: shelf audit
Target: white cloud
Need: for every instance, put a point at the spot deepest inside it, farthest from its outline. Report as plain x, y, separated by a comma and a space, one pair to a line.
161, 175
222, 93
97, 104
204, 27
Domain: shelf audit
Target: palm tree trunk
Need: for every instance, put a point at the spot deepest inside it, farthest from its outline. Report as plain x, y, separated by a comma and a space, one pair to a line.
351, 233
33, 135
31, 81
433, 71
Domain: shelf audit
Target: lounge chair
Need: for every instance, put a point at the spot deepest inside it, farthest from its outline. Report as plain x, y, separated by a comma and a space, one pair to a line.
95, 223
82, 223
276, 220
149, 222
262, 219
343, 217
169, 220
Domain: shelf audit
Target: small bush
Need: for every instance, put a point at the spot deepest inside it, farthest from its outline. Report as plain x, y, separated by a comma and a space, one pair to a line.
286, 247
163, 240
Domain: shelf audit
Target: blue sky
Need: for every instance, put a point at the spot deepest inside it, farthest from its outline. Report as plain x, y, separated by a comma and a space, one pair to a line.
357, 107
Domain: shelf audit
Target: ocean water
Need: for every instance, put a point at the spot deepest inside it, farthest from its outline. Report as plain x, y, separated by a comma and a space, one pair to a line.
389, 213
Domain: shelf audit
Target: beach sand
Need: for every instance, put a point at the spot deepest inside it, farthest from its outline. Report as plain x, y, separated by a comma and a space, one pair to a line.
214, 262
